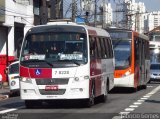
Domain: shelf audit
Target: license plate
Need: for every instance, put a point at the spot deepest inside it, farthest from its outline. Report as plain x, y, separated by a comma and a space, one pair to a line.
51, 88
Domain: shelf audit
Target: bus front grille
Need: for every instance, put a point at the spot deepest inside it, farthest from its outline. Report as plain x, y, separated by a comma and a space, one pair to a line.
57, 92
53, 81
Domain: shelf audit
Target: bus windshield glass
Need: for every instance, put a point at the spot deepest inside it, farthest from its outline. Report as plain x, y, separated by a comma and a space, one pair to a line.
55, 47
122, 51
155, 67
155, 37
122, 48
154, 54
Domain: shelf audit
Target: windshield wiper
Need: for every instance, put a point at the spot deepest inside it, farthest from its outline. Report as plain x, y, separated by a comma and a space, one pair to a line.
36, 60
75, 62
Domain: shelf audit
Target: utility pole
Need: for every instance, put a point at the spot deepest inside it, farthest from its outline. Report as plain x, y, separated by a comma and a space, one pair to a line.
104, 14
56, 9
95, 13
43, 13
74, 10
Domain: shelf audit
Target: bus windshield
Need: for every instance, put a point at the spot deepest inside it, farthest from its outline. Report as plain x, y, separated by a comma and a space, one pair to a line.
154, 54
122, 48
155, 37
55, 47
122, 52
155, 66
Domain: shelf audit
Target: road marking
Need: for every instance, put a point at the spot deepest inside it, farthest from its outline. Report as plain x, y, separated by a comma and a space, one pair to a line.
129, 109
121, 113
133, 106
8, 110
144, 98
149, 86
150, 93
141, 100
117, 117
137, 103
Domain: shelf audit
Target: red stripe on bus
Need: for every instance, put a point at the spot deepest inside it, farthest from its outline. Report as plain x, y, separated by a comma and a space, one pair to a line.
43, 72
24, 71
40, 73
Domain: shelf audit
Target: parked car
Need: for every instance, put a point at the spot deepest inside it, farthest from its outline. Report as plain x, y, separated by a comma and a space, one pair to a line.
155, 72
13, 77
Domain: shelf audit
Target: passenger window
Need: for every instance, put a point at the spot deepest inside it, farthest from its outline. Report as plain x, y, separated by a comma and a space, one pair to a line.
92, 46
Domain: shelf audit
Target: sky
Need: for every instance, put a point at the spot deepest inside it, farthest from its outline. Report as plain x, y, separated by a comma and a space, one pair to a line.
151, 5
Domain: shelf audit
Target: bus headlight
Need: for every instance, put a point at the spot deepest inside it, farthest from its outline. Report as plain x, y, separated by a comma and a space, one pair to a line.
26, 80
127, 73
76, 79
82, 78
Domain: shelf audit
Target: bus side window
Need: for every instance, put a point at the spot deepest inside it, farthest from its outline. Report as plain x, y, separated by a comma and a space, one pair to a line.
111, 48
136, 50
92, 46
102, 44
106, 47
98, 49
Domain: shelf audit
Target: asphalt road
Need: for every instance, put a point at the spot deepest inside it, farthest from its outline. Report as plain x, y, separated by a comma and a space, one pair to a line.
121, 103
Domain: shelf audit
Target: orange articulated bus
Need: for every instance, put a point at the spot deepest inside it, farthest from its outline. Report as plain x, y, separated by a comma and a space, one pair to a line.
132, 61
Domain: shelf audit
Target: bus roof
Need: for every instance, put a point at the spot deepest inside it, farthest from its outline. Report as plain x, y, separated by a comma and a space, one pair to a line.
128, 30
91, 30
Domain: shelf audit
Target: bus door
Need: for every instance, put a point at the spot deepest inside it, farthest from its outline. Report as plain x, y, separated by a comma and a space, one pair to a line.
143, 61
138, 60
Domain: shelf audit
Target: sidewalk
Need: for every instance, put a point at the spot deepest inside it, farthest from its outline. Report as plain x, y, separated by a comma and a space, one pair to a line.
4, 92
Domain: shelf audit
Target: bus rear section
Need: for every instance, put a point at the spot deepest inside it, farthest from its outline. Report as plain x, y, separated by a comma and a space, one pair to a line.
55, 65
131, 60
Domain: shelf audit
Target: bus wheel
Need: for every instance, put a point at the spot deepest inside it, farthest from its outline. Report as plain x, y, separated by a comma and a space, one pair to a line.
135, 89
90, 102
105, 96
144, 86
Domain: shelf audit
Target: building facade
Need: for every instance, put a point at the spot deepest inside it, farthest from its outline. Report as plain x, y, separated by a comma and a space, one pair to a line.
15, 19
108, 16
153, 20
134, 15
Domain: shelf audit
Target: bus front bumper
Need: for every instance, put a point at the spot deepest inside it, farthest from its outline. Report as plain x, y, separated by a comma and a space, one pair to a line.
127, 81
31, 92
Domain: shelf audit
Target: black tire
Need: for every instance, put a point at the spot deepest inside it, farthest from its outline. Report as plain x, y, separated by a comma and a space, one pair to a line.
105, 97
91, 100
149, 81
135, 89
144, 86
